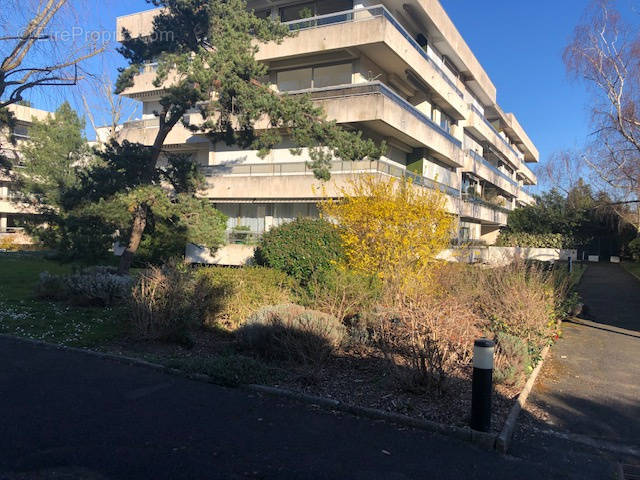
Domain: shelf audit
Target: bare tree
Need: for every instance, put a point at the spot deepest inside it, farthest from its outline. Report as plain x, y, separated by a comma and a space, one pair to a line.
31, 55
106, 106
605, 52
563, 170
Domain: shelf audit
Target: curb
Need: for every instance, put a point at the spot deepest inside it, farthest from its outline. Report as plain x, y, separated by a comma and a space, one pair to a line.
504, 439
480, 439
483, 440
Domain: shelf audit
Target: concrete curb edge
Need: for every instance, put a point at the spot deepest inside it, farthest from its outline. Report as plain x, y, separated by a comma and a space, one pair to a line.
504, 438
480, 439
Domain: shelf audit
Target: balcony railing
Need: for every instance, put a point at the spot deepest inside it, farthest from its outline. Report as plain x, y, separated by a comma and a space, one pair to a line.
145, 123
485, 203
493, 168
339, 91
502, 139
337, 167
368, 13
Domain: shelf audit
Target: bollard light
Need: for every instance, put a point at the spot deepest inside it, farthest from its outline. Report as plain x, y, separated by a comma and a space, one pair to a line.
570, 265
482, 384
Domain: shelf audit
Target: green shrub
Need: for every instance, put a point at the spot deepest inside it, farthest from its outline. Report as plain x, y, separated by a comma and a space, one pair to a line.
164, 304
301, 248
344, 294
292, 333
512, 359
230, 295
535, 240
634, 248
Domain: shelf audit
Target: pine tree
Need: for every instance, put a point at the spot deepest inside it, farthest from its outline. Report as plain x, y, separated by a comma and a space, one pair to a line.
205, 51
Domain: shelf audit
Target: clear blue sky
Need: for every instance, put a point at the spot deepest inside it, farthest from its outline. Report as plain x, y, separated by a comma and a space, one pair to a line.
519, 43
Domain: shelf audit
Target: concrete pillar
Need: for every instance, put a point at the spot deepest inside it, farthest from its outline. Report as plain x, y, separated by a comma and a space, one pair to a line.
3, 222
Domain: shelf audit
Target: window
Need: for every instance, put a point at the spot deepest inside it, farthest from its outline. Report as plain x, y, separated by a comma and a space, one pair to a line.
296, 12
21, 131
318, 7
445, 122
317, 77
332, 75
263, 13
330, 6
294, 79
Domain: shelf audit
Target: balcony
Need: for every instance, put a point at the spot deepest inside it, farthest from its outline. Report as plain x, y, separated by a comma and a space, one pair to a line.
377, 34
482, 128
485, 212
367, 14
338, 167
295, 182
482, 168
376, 107
384, 111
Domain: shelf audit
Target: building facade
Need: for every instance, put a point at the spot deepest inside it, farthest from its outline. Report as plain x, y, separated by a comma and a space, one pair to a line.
397, 70
11, 210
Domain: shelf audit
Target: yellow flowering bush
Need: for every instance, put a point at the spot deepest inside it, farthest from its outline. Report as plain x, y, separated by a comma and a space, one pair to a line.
391, 228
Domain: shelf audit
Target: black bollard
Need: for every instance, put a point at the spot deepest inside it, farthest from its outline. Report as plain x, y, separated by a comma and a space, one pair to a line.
570, 264
482, 384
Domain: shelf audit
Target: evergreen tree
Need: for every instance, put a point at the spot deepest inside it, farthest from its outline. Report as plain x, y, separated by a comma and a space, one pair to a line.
205, 51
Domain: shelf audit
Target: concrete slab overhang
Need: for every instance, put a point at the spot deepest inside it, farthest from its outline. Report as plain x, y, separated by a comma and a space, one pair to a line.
510, 125
481, 168
375, 33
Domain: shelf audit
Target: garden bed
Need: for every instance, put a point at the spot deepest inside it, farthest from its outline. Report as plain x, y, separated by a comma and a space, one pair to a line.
357, 377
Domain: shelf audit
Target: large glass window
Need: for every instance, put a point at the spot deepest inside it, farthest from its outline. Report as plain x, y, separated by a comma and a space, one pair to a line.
316, 77
330, 6
296, 12
291, 80
311, 9
332, 75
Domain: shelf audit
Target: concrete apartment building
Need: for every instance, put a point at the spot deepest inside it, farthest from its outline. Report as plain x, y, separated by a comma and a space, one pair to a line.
10, 209
399, 71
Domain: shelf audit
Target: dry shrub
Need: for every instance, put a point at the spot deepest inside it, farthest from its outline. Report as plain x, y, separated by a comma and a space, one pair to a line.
292, 333
343, 294
231, 295
521, 300
427, 340
164, 304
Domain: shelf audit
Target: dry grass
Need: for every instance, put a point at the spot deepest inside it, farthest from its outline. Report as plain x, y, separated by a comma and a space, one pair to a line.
164, 303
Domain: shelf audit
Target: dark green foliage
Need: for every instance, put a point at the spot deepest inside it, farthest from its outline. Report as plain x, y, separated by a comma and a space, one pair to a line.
634, 248
302, 248
535, 240
7, 122
564, 221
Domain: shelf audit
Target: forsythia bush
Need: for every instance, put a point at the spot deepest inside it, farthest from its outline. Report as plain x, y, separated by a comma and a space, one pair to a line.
391, 228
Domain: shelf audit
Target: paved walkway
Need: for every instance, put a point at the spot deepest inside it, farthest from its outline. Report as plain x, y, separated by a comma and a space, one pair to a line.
68, 413
589, 389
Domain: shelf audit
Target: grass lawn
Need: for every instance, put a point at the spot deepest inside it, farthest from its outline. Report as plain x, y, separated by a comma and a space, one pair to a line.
633, 268
21, 314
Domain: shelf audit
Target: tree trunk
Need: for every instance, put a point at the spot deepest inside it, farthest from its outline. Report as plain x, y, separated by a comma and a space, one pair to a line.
141, 213
137, 229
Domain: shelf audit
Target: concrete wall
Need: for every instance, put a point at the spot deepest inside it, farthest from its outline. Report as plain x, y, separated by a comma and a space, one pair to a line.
497, 256
228, 255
